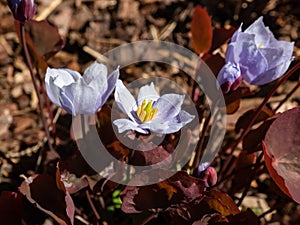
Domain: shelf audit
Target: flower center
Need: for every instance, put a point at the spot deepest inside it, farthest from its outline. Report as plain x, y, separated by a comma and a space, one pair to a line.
145, 112
260, 45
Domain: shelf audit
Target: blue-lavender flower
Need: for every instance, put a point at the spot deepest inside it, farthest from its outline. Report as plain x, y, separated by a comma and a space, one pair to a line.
23, 10
80, 94
150, 112
255, 55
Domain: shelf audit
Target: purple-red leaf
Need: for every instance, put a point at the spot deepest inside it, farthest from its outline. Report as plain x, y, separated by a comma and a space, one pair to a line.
246, 218
215, 62
221, 202
232, 99
201, 30
50, 196
243, 121
176, 191
282, 152
221, 36
41, 47
243, 168
46, 45
10, 208
252, 141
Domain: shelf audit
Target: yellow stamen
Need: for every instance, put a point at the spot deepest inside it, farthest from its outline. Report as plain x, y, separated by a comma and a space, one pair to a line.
145, 111
260, 46
147, 118
144, 103
154, 113
139, 110
148, 107
142, 116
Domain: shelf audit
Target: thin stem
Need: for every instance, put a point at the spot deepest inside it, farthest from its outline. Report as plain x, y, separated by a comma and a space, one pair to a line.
256, 114
48, 107
288, 95
92, 205
34, 81
253, 172
275, 207
201, 142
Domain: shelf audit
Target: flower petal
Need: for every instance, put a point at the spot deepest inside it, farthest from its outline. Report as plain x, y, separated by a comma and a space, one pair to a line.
249, 58
111, 83
95, 71
56, 81
262, 33
82, 98
155, 127
126, 124
272, 74
229, 73
179, 121
170, 126
169, 105
236, 33
95, 76
124, 99
282, 49
147, 92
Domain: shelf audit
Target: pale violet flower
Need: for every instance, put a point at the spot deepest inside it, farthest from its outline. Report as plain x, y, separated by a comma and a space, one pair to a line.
80, 94
255, 55
151, 112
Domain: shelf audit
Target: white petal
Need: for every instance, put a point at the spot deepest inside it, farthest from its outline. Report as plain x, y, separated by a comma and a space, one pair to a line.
126, 124
111, 83
124, 99
169, 105
147, 92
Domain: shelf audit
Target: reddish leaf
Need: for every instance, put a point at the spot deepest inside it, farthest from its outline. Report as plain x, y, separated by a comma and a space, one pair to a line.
211, 219
174, 192
213, 206
243, 121
37, 59
72, 183
221, 202
252, 141
232, 107
201, 30
221, 36
215, 62
243, 171
246, 218
41, 46
232, 99
282, 151
150, 157
10, 208
46, 45
49, 195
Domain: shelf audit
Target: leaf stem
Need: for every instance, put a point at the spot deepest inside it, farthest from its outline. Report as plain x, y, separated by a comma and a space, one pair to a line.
200, 144
92, 205
288, 95
36, 88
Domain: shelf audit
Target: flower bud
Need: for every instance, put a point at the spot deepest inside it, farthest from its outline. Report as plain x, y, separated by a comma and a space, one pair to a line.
208, 174
22, 10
